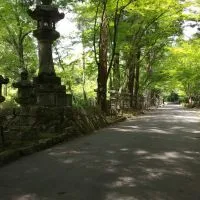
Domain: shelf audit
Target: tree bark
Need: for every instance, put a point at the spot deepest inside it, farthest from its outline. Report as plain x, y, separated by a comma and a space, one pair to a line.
103, 59
137, 78
131, 76
116, 72
83, 74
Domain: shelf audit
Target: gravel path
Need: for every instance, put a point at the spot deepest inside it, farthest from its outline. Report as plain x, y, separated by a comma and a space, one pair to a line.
155, 156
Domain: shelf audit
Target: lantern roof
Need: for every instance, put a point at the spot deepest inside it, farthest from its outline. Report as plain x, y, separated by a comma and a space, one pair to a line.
46, 12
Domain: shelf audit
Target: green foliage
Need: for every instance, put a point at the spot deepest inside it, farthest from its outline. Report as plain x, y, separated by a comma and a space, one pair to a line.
183, 66
153, 28
17, 46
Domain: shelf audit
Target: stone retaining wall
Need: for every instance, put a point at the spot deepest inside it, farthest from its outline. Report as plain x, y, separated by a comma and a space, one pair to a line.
77, 122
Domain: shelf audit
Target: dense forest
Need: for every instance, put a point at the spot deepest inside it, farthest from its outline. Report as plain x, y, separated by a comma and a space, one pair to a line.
137, 47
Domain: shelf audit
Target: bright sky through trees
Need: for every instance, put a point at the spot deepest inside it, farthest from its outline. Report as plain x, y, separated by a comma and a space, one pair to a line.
67, 27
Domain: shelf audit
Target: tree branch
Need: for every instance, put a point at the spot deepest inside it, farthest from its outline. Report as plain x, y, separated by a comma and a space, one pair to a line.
118, 13
94, 36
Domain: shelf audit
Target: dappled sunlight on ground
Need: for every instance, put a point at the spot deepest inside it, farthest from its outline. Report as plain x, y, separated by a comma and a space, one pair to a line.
141, 152
116, 196
168, 156
27, 197
123, 182
153, 157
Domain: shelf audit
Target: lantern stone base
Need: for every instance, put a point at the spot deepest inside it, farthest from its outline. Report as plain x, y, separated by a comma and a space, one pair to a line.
49, 92
49, 111
32, 121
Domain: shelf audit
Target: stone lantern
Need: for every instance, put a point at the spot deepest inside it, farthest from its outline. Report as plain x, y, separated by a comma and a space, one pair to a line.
2, 81
47, 86
46, 16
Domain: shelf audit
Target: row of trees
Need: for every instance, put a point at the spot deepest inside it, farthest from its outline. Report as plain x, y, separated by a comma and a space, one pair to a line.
127, 45
127, 37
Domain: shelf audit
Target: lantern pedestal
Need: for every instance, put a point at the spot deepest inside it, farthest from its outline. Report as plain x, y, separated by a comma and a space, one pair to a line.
49, 91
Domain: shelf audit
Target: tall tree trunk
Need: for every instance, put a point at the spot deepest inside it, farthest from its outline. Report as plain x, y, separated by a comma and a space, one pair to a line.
131, 76
116, 72
102, 66
21, 56
83, 74
101, 58
137, 78
110, 81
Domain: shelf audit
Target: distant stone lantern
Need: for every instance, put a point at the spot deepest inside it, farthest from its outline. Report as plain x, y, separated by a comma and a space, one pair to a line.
25, 94
2, 81
47, 16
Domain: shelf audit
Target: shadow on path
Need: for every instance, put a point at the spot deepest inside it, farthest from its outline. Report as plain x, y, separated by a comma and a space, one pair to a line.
152, 157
